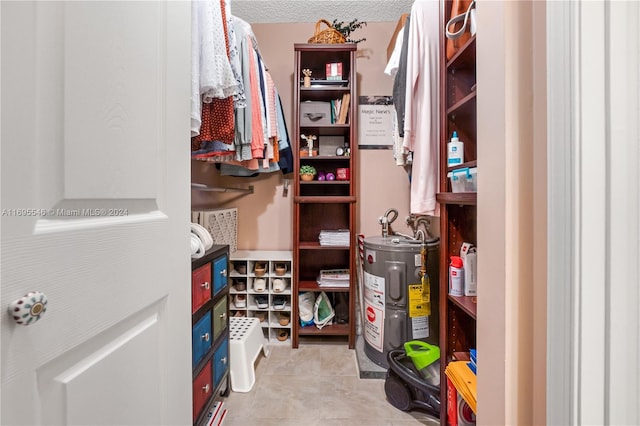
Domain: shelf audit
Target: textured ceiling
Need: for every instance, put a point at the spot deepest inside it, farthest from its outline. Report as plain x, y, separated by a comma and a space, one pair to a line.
278, 11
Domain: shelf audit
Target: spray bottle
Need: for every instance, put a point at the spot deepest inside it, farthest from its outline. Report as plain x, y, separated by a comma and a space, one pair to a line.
456, 277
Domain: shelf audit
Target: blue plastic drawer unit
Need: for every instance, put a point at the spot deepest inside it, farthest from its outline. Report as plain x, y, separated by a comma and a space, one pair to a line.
219, 274
220, 361
201, 338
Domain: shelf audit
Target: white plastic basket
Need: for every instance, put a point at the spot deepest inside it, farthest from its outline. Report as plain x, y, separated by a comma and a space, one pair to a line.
222, 224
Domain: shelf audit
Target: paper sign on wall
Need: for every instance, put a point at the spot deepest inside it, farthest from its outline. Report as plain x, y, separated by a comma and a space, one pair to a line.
375, 122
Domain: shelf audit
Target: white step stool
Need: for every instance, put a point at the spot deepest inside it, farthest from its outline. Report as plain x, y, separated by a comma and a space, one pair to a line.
245, 341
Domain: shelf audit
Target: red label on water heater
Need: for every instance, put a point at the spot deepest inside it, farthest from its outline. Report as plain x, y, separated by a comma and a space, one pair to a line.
371, 315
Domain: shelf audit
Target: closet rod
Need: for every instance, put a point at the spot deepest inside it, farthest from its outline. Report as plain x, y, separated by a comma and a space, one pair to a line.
203, 187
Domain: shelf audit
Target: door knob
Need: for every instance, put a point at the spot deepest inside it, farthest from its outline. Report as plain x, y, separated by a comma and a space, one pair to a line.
29, 308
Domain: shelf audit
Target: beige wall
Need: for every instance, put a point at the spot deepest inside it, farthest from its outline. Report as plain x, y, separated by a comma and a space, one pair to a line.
265, 217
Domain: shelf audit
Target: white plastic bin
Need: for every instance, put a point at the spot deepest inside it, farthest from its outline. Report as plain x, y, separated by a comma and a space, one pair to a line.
464, 179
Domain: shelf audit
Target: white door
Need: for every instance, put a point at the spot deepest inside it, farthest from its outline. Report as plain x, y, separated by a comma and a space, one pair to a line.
95, 211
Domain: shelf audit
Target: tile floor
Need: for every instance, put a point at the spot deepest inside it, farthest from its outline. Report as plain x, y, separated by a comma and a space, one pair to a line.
316, 384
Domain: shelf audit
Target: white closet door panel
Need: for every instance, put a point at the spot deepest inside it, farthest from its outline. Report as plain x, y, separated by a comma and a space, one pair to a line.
113, 89
95, 211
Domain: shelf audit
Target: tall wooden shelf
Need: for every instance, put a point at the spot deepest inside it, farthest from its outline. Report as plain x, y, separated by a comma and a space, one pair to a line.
458, 212
324, 205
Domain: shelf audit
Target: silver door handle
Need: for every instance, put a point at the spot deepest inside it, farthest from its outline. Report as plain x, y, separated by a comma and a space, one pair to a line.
29, 308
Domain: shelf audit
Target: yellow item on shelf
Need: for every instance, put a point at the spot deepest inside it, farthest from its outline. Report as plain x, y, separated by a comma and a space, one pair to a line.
465, 382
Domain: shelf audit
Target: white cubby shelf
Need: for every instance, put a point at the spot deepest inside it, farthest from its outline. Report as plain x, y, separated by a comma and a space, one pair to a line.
277, 288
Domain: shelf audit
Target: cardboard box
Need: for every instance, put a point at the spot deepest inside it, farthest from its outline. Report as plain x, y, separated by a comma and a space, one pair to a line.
315, 113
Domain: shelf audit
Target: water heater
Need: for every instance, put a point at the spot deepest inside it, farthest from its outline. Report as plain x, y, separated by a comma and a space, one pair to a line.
394, 298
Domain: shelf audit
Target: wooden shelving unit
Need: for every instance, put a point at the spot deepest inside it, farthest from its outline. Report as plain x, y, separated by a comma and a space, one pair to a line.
458, 213
328, 204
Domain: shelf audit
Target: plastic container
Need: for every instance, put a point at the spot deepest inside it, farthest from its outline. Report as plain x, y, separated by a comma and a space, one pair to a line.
456, 277
455, 151
464, 179
424, 357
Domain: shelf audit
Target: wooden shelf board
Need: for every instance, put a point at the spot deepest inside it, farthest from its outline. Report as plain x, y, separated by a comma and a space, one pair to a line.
468, 304
325, 157
326, 126
325, 182
323, 199
465, 56
314, 245
328, 330
326, 86
461, 356
460, 198
310, 47
469, 164
460, 106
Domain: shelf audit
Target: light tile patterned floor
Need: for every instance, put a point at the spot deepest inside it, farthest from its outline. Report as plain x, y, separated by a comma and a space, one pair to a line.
316, 384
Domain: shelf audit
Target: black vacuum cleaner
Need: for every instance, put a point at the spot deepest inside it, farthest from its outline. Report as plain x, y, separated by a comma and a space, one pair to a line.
405, 389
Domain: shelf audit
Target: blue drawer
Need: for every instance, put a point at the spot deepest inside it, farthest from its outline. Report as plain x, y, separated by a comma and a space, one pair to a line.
220, 361
219, 274
201, 338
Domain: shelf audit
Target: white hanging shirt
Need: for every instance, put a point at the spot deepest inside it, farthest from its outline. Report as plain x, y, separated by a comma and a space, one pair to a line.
421, 124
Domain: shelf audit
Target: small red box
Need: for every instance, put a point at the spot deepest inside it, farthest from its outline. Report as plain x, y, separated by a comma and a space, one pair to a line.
334, 71
342, 173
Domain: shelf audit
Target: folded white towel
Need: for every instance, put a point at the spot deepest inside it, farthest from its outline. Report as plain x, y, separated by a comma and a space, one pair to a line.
202, 233
197, 247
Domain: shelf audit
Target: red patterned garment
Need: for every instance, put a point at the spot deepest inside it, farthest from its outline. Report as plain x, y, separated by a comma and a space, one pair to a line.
217, 121
217, 116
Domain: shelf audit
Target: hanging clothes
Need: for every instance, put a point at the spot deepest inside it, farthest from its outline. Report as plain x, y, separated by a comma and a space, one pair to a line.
397, 68
217, 113
421, 121
400, 80
245, 131
211, 73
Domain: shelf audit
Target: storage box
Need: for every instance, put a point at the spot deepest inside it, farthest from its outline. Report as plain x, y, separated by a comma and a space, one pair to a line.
315, 113
469, 256
342, 173
222, 224
464, 179
334, 71
329, 144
